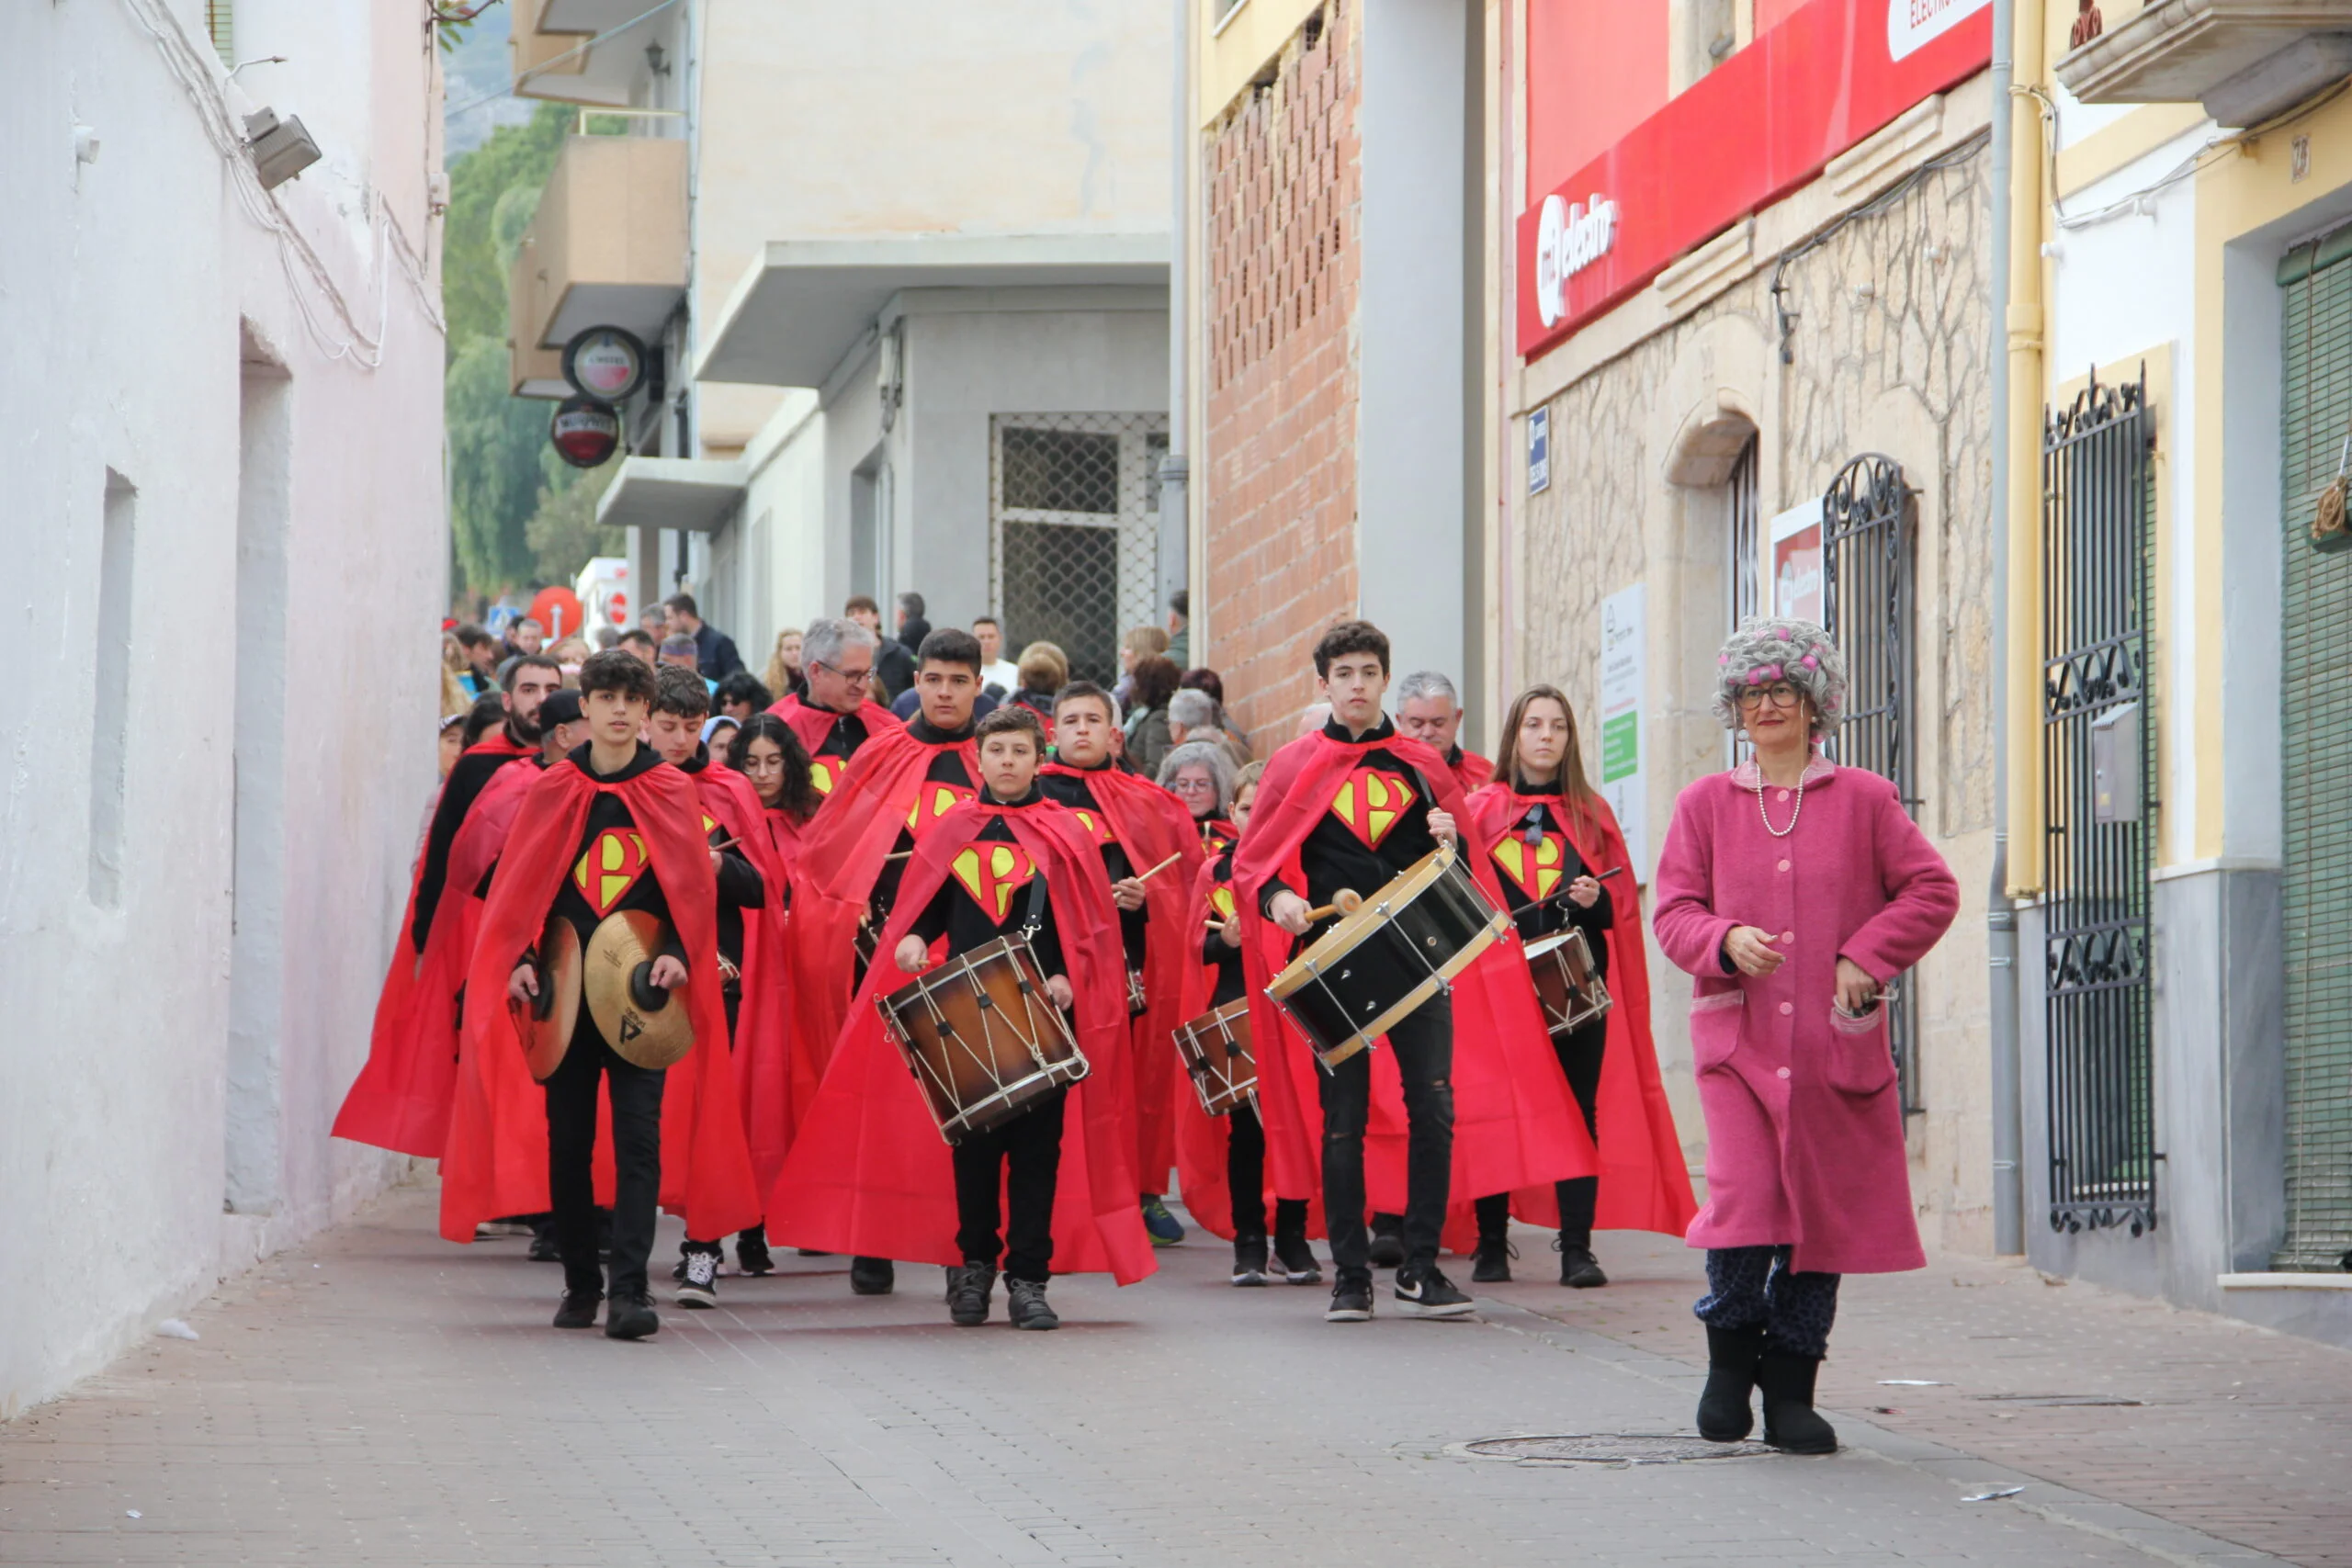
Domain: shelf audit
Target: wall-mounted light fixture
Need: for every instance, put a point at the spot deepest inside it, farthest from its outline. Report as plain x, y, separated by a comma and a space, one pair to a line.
281, 148
657, 60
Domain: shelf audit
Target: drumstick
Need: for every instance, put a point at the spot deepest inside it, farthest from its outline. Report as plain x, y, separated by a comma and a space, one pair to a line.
1346, 901
1163, 865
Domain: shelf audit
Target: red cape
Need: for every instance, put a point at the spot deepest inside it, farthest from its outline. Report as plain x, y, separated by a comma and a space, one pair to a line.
1645, 1182
1153, 824
496, 1162
762, 1043
1473, 771
813, 724
869, 1174
1515, 1124
843, 851
1201, 1139
400, 1098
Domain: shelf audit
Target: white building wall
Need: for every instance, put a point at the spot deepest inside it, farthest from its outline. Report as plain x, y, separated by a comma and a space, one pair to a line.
145, 306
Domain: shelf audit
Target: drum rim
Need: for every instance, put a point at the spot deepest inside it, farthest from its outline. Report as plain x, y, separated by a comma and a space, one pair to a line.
1544, 944
1349, 933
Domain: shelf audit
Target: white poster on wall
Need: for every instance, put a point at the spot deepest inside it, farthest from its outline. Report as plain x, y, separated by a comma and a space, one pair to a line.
1623, 676
1794, 588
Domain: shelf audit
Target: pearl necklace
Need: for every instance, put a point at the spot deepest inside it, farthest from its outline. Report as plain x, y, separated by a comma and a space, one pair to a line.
1779, 833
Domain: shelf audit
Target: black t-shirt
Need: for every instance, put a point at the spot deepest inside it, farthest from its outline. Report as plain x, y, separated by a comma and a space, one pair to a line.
946, 785
993, 889
1375, 825
1076, 793
1534, 859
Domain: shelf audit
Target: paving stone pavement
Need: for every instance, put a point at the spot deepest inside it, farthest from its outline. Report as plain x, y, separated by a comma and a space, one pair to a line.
380, 1398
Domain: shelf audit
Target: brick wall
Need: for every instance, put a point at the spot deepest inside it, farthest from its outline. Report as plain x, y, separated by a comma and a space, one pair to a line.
1281, 176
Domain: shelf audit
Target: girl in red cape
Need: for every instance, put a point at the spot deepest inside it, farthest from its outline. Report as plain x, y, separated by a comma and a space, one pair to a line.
496, 1162
1514, 1124
769, 754
869, 1174
1213, 1154
400, 1099
1150, 825
1644, 1183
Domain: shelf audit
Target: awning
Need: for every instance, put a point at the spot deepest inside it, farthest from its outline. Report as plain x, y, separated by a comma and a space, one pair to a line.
697, 494
803, 303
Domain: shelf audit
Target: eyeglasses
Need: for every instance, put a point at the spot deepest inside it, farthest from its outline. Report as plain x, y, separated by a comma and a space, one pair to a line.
844, 674
1780, 694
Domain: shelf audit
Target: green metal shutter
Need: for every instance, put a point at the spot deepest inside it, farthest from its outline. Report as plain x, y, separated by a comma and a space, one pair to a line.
2316, 704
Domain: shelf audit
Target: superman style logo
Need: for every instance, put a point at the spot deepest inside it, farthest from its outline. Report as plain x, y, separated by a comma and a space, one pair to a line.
1221, 903
610, 868
992, 874
1369, 802
825, 772
1535, 867
1098, 826
709, 824
933, 800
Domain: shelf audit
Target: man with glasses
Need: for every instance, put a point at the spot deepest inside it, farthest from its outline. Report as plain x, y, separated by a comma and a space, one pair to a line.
838, 716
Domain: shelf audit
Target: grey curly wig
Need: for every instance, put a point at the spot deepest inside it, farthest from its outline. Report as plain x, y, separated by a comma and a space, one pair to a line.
1768, 649
1208, 755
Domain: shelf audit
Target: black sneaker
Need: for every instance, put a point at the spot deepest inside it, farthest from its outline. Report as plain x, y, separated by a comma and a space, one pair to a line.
872, 1276
1426, 1292
751, 1254
1579, 1270
578, 1309
1249, 1260
969, 1290
1350, 1298
1296, 1259
1490, 1265
699, 1288
630, 1316
543, 1247
1388, 1241
1025, 1303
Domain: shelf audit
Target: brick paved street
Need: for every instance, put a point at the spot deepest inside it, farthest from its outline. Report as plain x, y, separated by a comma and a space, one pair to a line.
380, 1398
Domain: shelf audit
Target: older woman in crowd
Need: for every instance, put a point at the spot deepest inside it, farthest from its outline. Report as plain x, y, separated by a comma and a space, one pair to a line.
1201, 775
1795, 890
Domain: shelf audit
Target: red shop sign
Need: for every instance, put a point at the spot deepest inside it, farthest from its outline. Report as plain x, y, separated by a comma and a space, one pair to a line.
1759, 126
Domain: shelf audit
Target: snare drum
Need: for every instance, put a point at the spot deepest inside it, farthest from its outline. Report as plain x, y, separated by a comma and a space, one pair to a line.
1215, 1048
1403, 946
982, 1037
1569, 989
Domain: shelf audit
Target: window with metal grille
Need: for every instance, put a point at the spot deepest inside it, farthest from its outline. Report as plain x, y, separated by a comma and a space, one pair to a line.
1074, 514
1866, 558
2316, 724
1743, 540
2095, 543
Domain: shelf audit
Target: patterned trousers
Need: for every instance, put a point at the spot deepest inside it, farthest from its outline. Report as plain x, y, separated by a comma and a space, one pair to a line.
1752, 1286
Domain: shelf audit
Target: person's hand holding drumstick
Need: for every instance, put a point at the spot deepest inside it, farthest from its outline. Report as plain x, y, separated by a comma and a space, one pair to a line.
912, 954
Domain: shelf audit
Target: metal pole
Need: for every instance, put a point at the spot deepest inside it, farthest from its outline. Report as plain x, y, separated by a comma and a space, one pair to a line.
2001, 918
1175, 468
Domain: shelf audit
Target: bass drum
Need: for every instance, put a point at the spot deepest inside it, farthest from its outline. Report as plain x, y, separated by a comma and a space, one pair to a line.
1396, 951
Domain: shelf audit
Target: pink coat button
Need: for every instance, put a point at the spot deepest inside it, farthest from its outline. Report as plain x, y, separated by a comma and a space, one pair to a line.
1784, 865
1788, 1008
1783, 795
1788, 936
1784, 1072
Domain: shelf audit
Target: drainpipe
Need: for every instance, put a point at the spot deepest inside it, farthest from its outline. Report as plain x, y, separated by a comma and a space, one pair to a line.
2017, 492
1175, 468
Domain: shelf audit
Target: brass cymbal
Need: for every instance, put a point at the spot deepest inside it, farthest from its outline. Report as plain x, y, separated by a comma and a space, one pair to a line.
648, 1026
545, 1025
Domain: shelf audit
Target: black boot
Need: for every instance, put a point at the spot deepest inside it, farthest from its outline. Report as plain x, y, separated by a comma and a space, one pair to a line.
969, 1290
1579, 1270
1790, 1424
1725, 1413
872, 1276
1490, 1264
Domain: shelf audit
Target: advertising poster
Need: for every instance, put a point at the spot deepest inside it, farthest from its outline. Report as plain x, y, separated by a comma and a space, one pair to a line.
1793, 562
1623, 676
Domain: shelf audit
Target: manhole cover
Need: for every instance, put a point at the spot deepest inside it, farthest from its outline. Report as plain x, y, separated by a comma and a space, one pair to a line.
2056, 1399
1609, 1448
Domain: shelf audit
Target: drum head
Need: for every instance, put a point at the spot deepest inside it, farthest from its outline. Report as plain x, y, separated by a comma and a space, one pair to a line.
983, 1038
548, 1023
645, 1025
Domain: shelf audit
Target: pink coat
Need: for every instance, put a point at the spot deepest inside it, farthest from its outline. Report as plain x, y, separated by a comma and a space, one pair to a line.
1805, 1126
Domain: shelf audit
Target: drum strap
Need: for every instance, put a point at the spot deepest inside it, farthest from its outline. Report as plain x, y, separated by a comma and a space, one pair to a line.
1032, 914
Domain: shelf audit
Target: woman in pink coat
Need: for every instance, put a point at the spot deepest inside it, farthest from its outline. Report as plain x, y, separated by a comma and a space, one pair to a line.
1795, 890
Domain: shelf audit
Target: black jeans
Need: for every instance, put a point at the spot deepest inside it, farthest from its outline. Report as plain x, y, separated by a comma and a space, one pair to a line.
1245, 1169
1025, 1157
637, 1160
1423, 1043
1579, 1052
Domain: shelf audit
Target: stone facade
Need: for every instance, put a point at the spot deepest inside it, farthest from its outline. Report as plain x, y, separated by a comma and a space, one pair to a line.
1885, 351
1281, 179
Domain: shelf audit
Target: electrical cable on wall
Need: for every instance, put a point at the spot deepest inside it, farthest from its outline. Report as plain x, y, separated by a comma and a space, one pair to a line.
306, 272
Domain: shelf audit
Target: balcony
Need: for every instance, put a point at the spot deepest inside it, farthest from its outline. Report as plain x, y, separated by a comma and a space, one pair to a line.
2244, 60
606, 249
547, 43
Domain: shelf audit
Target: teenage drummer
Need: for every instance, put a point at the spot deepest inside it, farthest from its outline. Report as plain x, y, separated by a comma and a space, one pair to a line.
1349, 808
869, 1174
